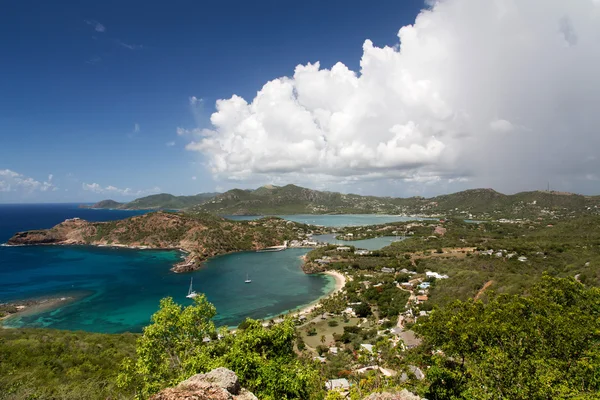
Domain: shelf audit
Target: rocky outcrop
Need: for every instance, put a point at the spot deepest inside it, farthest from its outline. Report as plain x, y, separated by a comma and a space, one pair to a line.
402, 395
218, 384
313, 268
71, 231
191, 263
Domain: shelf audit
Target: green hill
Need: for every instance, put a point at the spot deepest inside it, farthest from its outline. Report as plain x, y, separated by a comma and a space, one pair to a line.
168, 201
105, 204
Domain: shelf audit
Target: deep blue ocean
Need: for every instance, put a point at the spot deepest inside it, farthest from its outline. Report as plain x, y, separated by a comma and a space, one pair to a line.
117, 290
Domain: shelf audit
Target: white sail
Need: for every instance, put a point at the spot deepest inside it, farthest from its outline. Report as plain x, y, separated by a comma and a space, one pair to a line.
191, 294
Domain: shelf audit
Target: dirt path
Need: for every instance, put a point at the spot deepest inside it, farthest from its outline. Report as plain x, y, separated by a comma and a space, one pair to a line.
485, 286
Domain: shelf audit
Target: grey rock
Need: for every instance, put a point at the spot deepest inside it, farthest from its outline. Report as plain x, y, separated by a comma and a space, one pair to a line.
221, 377
245, 395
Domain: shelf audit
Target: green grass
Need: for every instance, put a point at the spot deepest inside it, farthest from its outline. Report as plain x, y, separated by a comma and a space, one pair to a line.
324, 329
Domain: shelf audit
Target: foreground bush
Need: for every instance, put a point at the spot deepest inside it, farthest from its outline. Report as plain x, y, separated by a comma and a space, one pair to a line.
176, 346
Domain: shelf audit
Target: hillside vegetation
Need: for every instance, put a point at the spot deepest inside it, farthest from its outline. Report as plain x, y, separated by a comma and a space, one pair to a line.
53, 364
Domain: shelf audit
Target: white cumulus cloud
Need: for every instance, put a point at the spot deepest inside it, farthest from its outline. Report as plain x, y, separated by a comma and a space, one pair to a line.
11, 181
435, 108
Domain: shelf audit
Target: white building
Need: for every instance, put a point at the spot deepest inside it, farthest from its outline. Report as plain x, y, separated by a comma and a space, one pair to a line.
367, 347
338, 384
436, 275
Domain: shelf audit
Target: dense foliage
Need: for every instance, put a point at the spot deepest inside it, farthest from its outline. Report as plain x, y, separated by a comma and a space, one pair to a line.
182, 342
53, 364
544, 345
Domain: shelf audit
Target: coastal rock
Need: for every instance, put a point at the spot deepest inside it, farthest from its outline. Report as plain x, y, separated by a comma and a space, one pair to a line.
313, 268
71, 231
188, 265
218, 384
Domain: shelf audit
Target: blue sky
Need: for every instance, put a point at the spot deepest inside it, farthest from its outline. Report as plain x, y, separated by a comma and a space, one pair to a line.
77, 79
118, 99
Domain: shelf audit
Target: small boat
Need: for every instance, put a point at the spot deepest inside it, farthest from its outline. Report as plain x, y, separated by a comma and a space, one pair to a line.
191, 294
248, 280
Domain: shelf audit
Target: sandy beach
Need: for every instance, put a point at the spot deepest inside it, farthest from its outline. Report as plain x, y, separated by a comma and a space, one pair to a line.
340, 282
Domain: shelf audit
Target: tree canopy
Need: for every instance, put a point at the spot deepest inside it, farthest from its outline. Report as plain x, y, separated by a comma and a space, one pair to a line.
540, 345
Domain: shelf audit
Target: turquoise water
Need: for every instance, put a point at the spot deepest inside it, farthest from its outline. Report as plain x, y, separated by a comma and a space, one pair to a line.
336, 220
117, 290
369, 244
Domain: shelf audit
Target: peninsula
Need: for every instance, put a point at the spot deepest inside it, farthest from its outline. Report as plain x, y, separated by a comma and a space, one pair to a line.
200, 235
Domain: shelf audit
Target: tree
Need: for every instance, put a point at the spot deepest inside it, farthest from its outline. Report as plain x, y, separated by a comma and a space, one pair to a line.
323, 339
543, 345
173, 348
362, 310
170, 347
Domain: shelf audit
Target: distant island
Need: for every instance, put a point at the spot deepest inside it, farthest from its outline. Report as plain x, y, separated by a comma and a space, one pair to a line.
163, 201
292, 199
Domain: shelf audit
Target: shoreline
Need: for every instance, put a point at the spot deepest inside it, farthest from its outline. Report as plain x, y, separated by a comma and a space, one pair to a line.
33, 306
340, 282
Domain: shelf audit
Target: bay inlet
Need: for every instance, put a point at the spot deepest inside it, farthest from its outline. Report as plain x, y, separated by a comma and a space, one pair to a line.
117, 290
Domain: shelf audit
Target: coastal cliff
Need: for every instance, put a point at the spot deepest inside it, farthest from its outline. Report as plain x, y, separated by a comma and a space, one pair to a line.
200, 235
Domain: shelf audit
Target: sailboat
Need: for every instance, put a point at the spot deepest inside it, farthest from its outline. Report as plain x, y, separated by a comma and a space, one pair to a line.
191, 294
248, 280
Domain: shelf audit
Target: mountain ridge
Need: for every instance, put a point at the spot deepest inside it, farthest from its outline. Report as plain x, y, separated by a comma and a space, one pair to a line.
292, 199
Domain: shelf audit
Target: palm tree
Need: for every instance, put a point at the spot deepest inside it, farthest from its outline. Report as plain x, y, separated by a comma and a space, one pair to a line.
322, 338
